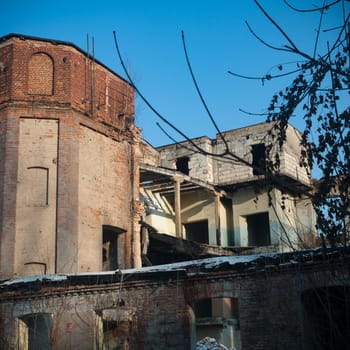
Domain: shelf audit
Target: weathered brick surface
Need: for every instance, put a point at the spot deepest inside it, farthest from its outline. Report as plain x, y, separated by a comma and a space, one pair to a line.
157, 308
55, 81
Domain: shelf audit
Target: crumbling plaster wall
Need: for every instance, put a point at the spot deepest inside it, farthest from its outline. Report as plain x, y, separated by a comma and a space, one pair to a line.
200, 205
292, 219
246, 202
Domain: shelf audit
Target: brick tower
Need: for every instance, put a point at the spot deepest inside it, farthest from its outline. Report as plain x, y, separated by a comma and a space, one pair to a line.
68, 161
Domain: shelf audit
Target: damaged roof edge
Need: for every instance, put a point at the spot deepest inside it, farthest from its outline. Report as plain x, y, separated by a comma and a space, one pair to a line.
60, 42
238, 264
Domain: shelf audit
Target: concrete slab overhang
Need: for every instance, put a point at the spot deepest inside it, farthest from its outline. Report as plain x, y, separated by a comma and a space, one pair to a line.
159, 179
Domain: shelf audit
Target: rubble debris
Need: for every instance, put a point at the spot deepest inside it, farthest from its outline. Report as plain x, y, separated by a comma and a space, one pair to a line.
208, 343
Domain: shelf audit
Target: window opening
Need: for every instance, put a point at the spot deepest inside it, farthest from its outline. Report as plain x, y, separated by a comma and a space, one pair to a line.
182, 165
258, 226
197, 231
259, 159
35, 331
202, 308
110, 247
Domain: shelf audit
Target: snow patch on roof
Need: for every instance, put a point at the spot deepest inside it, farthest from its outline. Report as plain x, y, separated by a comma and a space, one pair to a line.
208, 263
35, 278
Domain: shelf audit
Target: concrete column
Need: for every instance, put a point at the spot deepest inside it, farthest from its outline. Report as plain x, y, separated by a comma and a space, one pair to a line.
177, 191
217, 218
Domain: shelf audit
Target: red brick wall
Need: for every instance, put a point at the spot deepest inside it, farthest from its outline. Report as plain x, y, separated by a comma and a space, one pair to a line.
6, 54
270, 308
40, 74
77, 80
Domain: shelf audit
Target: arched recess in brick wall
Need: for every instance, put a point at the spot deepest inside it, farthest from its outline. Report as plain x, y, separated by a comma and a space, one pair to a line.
40, 74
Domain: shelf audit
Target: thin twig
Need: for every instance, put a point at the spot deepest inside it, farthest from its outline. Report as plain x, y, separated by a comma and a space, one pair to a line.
318, 30
267, 76
325, 7
276, 25
199, 92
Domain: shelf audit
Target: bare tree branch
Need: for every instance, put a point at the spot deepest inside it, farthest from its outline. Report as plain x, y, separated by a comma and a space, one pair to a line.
226, 154
276, 25
265, 77
325, 7
263, 41
200, 94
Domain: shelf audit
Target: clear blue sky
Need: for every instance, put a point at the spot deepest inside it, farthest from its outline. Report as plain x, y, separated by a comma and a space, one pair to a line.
149, 33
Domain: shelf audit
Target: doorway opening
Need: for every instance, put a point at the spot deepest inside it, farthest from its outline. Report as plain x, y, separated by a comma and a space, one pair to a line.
258, 227
197, 231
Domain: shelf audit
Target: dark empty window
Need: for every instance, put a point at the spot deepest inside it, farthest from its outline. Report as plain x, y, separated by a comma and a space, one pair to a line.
197, 231
182, 165
259, 159
110, 247
258, 229
326, 318
36, 331
203, 308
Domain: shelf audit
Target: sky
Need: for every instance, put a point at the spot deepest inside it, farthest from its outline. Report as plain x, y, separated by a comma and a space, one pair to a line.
149, 34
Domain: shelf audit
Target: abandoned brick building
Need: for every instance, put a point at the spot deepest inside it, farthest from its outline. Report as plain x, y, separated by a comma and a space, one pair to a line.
73, 164
297, 300
225, 202
85, 203
68, 169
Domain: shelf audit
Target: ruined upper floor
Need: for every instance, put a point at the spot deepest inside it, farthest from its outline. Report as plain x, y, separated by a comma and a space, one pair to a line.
246, 161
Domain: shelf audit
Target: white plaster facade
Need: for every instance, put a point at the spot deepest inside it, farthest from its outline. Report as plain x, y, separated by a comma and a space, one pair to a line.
241, 205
